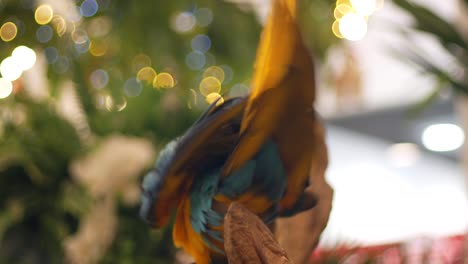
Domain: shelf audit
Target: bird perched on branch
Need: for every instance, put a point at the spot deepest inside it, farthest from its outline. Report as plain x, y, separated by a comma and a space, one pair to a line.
255, 150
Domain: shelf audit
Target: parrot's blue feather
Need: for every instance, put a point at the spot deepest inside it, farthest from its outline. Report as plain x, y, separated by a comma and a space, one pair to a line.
239, 181
213, 218
264, 174
217, 235
153, 181
151, 184
204, 188
166, 155
271, 176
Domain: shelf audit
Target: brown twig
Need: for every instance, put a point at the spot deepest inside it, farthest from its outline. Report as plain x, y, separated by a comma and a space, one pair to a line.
248, 240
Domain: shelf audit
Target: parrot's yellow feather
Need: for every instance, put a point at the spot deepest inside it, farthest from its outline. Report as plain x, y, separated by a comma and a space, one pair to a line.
184, 236
283, 84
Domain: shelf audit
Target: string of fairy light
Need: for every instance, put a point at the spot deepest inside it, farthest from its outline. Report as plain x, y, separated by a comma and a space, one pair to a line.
90, 38
351, 23
24, 58
351, 17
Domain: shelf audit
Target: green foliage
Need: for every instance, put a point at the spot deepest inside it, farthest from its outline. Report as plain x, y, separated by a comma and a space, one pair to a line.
316, 19
427, 21
449, 37
38, 201
148, 250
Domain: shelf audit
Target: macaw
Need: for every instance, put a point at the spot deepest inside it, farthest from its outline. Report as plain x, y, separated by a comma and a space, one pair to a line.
256, 150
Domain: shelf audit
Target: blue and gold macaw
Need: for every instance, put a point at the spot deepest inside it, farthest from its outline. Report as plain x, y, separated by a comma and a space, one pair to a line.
255, 150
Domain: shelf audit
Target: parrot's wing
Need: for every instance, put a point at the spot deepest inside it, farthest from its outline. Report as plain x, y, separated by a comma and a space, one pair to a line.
205, 145
283, 80
211, 138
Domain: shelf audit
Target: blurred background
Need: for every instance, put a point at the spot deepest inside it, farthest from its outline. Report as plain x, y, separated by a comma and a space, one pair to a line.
90, 90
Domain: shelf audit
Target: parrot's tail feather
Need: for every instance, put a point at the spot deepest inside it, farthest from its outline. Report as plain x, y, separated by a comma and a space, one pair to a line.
185, 236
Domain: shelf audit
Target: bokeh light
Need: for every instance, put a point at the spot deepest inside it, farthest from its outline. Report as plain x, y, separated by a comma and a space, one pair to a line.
8, 31
99, 27
120, 104
214, 71
51, 54
193, 98
61, 65
79, 36
43, 14
210, 85
108, 103
336, 29
6, 88
228, 73
364, 7
340, 2
10, 69
24, 57
210, 59
443, 137
89, 8
204, 17
44, 33
164, 80
195, 60
353, 26
99, 78
98, 48
201, 43
341, 10
351, 17
100, 100
133, 87
239, 89
60, 25
73, 14
212, 97
183, 22
140, 61
146, 75
379, 4
83, 47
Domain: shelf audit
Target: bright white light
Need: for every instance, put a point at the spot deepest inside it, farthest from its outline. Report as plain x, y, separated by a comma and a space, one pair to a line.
364, 7
24, 57
353, 26
443, 137
10, 69
6, 87
183, 22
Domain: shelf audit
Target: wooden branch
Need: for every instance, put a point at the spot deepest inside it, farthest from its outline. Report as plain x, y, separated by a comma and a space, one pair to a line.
248, 240
300, 234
